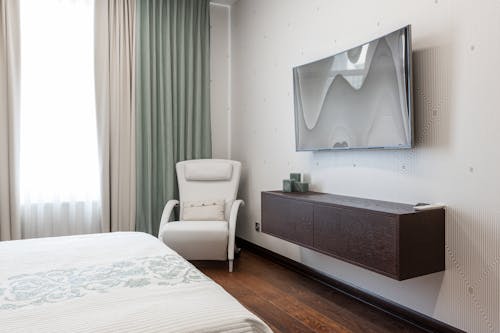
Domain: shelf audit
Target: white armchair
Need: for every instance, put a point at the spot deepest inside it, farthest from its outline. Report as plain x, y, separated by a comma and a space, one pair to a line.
202, 180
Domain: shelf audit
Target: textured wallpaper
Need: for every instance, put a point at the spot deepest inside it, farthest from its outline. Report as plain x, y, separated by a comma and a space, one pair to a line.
457, 133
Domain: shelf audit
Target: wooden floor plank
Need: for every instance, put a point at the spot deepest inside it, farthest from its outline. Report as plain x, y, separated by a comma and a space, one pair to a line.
293, 306
262, 306
290, 302
355, 315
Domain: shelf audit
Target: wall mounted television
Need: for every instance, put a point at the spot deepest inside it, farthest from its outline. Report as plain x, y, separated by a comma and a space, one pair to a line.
357, 99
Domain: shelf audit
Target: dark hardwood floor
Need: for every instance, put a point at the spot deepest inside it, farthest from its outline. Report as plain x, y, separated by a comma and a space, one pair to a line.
290, 302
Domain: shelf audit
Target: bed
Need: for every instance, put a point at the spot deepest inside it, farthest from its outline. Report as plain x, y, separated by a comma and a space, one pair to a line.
114, 282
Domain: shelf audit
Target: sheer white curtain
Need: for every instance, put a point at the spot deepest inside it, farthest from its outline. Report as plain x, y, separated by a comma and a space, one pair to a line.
59, 173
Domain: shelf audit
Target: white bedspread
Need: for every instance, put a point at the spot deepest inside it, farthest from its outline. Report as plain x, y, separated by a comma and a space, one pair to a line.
115, 282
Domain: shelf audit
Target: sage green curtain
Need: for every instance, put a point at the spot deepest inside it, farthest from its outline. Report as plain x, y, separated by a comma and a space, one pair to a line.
172, 99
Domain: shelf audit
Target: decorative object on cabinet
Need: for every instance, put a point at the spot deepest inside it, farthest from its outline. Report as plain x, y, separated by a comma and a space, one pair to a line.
295, 184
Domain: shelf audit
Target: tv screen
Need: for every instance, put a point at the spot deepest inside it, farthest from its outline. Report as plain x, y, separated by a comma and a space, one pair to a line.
360, 98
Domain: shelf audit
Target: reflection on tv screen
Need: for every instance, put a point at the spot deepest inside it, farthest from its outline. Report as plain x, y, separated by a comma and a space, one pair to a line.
359, 98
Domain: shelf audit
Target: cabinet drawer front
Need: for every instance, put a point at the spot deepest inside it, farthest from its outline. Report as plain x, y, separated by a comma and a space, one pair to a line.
362, 238
288, 219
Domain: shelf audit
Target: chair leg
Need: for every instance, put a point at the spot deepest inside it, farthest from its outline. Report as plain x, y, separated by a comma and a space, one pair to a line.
230, 266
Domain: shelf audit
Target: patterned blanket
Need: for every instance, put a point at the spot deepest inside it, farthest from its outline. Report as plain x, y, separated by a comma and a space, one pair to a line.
118, 282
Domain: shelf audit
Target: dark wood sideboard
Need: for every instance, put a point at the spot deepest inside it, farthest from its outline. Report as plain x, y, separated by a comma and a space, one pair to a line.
386, 237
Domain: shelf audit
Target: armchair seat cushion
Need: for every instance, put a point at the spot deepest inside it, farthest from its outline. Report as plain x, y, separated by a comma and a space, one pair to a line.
197, 240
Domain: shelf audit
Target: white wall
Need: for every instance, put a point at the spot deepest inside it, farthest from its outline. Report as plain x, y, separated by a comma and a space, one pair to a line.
220, 79
456, 161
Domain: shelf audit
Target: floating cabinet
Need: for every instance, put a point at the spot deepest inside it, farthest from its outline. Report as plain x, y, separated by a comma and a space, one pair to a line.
386, 237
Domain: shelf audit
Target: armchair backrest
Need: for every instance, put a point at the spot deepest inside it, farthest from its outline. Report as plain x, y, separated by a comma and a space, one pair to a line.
208, 179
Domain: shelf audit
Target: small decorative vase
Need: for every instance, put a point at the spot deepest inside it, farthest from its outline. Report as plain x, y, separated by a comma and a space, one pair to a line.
287, 185
296, 177
300, 187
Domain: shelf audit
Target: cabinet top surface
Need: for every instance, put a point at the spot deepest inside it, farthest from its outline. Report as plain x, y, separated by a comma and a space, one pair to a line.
341, 200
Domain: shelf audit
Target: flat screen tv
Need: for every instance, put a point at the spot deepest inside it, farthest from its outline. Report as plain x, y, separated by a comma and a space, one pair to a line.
360, 98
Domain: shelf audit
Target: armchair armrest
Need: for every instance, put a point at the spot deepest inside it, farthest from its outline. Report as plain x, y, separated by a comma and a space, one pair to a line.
165, 216
232, 227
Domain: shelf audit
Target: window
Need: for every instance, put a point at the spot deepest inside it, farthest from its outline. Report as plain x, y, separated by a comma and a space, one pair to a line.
59, 174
